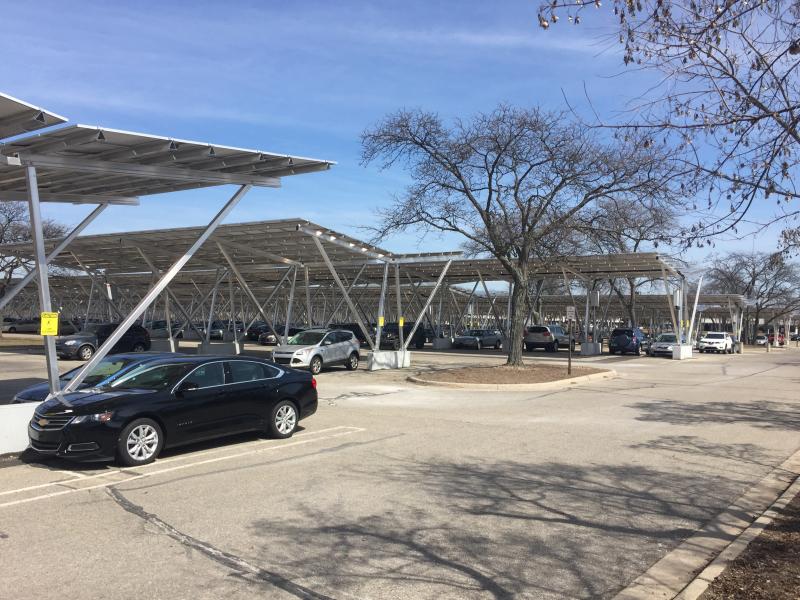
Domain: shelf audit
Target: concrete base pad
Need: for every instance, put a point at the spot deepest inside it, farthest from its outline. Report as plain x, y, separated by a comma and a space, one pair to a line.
591, 349
165, 345
442, 343
681, 352
230, 348
388, 359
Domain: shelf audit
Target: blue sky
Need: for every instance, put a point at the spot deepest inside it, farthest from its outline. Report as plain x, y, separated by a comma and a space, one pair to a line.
303, 78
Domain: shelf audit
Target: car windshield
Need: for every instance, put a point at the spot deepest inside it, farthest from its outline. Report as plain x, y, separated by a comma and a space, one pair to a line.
106, 368
668, 337
474, 332
306, 338
715, 336
147, 377
94, 327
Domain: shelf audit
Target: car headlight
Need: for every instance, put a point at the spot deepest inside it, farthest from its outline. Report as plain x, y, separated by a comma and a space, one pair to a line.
669, 347
70, 342
103, 417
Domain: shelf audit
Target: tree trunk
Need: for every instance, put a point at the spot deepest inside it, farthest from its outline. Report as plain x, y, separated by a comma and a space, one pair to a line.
517, 332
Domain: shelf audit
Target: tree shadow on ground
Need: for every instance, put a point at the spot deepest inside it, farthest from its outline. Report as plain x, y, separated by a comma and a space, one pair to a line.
494, 529
690, 445
765, 414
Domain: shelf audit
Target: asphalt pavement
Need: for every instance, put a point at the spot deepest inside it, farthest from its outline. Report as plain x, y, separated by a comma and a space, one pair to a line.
397, 491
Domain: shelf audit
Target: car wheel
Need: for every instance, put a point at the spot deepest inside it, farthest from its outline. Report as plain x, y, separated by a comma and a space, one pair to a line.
352, 362
85, 352
555, 346
498, 345
139, 347
529, 347
478, 345
315, 366
12, 330
283, 419
140, 442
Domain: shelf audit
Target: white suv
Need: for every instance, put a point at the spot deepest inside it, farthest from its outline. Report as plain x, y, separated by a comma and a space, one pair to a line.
314, 348
716, 341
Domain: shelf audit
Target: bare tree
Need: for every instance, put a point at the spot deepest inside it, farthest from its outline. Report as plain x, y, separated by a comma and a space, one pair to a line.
730, 94
15, 227
627, 225
769, 281
508, 181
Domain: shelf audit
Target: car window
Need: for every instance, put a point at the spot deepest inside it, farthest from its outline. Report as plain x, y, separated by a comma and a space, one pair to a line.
344, 336
242, 371
616, 332
306, 338
538, 330
104, 369
716, 336
207, 375
158, 377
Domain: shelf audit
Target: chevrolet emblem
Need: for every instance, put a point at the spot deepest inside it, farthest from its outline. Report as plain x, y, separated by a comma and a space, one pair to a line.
43, 422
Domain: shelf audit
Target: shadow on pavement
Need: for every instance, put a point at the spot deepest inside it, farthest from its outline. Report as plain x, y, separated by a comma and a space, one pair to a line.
764, 414
498, 529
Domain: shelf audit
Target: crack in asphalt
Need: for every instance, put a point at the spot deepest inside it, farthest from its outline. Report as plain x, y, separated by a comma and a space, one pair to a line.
231, 561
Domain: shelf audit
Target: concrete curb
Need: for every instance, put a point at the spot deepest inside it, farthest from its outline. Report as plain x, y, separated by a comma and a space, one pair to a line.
676, 576
518, 387
700, 583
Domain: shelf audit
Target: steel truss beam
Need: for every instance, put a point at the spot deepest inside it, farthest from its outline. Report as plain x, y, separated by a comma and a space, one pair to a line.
154, 292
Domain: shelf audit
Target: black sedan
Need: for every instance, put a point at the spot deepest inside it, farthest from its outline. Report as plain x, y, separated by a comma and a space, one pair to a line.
176, 400
84, 344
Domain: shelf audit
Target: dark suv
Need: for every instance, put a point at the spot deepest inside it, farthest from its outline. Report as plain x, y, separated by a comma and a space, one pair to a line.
626, 340
82, 345
390, 336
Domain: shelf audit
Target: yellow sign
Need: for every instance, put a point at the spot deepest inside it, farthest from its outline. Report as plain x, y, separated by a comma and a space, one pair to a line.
402, 321
380, 321
49, 324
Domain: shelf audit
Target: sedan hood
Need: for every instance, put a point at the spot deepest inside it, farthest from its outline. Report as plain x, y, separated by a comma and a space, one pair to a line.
293, 347
89, 400
78, 337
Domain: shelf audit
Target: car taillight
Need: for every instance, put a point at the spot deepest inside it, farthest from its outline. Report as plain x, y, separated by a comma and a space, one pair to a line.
546, 334
314, 383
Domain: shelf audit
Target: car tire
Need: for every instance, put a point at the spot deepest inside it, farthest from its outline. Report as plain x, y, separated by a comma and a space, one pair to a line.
139, 443
555, 346
283, 419
12, 330
85, 352
478, 345
498, 345
352, 362
529, 347
139, 347
315, 366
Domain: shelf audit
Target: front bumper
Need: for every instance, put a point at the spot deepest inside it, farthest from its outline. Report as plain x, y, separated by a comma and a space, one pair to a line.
89, 441
292, 360
67, 352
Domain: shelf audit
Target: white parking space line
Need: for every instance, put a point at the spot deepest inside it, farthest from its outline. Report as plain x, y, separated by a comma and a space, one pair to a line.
258, 449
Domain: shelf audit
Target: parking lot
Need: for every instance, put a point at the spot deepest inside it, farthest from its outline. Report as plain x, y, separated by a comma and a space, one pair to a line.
398, 491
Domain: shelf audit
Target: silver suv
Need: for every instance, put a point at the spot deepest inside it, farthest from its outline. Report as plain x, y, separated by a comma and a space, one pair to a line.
549, 337
314, 348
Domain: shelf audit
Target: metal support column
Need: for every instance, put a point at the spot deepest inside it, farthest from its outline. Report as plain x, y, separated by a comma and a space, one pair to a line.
400, 318
309, 321
381, 301
41, 272
289, 305
427, 303
338, 281
154, 292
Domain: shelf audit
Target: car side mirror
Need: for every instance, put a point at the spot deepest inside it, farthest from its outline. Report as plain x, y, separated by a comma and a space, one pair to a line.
327, 343
187, 386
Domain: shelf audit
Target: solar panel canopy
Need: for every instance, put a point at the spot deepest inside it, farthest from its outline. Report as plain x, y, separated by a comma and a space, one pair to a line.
18, 117
83, 163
